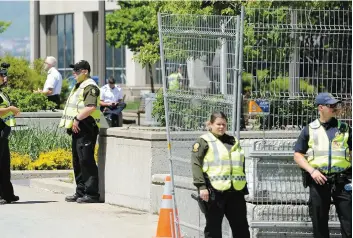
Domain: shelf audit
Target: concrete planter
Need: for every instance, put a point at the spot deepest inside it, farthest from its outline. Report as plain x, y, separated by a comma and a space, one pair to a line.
133, 163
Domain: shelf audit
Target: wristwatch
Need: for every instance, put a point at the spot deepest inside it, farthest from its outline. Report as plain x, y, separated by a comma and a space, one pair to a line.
75, 118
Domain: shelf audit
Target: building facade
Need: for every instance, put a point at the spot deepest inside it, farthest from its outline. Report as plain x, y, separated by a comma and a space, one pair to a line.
68, 30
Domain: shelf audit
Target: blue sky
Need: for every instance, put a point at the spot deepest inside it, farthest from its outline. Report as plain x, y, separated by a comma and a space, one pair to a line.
15, 40
18, 13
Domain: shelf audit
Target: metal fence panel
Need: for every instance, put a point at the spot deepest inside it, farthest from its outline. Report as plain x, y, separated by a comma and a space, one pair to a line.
288, 55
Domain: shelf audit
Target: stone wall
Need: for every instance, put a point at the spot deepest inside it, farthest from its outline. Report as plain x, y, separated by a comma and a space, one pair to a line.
134, 161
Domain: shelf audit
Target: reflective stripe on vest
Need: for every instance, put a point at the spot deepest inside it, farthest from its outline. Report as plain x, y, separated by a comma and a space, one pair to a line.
8, 118
224, 168
319, 149
75, 104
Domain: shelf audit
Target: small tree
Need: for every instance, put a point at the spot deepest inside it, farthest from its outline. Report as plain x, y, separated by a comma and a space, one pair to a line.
4, 25
135, 25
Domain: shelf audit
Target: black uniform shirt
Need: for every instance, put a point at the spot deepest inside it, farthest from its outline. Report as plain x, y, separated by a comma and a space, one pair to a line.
331, 128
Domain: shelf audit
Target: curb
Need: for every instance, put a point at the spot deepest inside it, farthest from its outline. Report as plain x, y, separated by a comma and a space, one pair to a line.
32, 174
55, 185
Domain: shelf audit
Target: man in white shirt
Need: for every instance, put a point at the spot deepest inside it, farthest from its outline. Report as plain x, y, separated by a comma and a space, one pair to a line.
111, 101
53, 84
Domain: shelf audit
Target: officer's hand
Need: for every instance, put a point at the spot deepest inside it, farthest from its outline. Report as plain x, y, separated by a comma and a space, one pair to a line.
204, 194
15, 110
318, 177
75, 127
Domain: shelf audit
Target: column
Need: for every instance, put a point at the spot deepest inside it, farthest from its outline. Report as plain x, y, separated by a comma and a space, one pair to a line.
135, 74
83, 36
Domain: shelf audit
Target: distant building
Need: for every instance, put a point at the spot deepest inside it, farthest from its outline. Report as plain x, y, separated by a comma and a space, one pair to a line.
68, 30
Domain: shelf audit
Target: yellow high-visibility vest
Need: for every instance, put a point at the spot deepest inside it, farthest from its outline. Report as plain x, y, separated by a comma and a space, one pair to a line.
224, 168
75, 104
8, 118
325, 155
173, 81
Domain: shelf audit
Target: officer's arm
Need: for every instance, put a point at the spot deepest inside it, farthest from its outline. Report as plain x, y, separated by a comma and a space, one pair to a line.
5, 110
90, 95
300, 149
199, 150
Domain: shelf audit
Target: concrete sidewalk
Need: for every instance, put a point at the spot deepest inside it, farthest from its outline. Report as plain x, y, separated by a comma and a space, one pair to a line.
43, 214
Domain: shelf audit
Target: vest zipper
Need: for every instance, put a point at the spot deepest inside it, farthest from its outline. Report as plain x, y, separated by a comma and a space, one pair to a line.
329, 156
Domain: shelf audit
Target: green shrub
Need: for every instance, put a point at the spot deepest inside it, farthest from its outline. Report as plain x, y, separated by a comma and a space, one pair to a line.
188, 112
33, 141
28, 101
22, 76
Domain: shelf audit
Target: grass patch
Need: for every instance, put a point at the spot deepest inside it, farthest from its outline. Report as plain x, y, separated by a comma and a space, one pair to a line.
132, 105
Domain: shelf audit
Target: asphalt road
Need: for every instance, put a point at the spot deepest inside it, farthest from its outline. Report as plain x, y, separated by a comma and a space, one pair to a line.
43, 214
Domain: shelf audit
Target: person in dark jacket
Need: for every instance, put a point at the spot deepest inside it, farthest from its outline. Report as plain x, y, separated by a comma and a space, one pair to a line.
219, 175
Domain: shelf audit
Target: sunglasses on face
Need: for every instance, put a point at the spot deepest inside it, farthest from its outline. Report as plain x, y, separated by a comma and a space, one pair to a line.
77, 71
337, 105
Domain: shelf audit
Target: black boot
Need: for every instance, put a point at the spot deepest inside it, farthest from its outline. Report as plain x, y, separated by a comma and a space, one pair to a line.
13, 199
72, 198
88, 199
2, 201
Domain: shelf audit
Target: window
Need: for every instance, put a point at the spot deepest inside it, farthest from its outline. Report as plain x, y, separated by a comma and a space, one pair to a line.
115, 63
65, 36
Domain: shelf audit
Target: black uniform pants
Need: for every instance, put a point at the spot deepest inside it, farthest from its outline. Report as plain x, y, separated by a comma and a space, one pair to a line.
6, 188
231, 204
319, 206
85, 167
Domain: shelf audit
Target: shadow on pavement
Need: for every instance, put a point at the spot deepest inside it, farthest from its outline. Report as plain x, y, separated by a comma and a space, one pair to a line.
33, 202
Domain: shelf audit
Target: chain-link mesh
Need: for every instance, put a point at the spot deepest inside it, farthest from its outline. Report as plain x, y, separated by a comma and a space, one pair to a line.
289, 56
193, 48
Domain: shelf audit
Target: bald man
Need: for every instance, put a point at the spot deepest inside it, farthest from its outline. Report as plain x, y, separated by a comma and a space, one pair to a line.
53, 84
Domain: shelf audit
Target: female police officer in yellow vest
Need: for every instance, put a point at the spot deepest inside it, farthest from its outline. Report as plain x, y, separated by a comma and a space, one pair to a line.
81, 118
218, 173
328, 145
7, 116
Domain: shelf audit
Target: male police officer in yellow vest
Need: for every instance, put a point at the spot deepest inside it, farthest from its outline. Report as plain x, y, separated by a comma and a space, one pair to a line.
174, 79
7, 116
81, 118
328, 145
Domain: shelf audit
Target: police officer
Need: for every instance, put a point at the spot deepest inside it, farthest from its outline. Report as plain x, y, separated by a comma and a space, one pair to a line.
327, 169
7, 116
174, 79
81, 118
219, 175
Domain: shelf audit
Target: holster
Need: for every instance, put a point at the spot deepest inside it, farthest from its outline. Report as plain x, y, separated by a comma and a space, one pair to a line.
306, 178
202, 203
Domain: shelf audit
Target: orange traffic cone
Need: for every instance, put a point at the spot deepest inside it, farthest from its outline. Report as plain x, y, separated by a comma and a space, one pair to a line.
166, 228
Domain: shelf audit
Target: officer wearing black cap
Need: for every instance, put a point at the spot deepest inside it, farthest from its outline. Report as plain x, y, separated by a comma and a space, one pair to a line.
7, 116
327, 143
81, 118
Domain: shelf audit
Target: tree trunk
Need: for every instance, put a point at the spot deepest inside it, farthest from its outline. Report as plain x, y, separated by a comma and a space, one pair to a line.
151, 77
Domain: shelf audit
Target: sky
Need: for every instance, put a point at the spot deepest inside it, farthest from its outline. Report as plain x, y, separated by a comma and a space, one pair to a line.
15, 40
